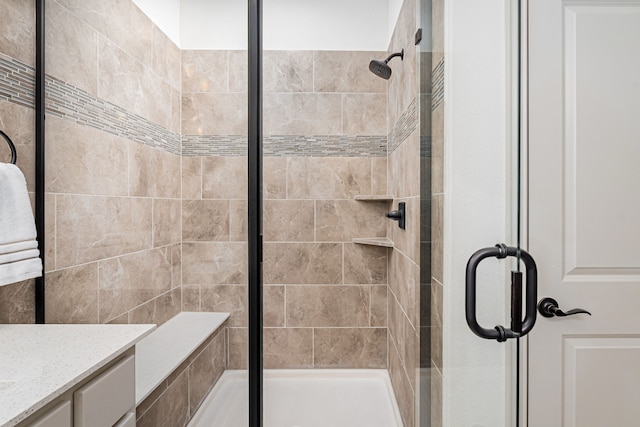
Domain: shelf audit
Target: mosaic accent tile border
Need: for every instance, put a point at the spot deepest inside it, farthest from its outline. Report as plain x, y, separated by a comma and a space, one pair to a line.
288, 145
17, 85
405, 126
17, 82
438, 85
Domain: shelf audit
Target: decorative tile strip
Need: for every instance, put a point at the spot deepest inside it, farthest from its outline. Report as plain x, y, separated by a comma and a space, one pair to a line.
17, 82
438, 85
405, 126
288, 145
17, 85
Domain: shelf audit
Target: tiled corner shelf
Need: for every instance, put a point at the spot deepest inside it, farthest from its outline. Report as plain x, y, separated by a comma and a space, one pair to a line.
374, 241
374, 197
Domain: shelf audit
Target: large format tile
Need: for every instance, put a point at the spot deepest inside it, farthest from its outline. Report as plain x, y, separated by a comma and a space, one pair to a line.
89, 228
224, 177
288, 220
205, 71
206, 369
238, 217
153, 172
378, 315
18, 30
166, 59
300, 263
288, 71
364, 114
324, 306
238, 71
130, 280
166, 222
404, 280
129, 83
404, 393
274, 173
84, 160
158, 310
288, 348
360, 348
205, 220
342, 220
172, 407
379, 175
214, 263
327, 177
71, 295
237, 348
274, 297
302, 114
228, 299
347, 71
16, 302
109, 18
214, 114
192, 178
71, 49
365, 264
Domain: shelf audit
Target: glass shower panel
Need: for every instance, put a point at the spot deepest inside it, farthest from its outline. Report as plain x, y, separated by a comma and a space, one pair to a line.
341, 151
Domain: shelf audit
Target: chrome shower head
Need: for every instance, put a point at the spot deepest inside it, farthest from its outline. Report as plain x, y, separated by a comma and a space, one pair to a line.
381, 68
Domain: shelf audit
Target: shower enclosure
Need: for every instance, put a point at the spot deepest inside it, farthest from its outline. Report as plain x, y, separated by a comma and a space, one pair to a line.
246, 159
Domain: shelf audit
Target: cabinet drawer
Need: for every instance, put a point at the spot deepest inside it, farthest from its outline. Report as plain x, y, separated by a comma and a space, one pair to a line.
129, 420
103, 401
60, 416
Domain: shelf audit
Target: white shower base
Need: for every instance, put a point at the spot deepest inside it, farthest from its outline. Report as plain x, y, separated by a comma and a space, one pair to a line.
304, 398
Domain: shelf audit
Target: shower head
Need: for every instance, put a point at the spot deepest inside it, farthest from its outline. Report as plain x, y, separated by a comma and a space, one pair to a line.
381, 68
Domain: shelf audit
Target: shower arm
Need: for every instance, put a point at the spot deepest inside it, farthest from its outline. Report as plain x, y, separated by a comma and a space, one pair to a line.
393, 55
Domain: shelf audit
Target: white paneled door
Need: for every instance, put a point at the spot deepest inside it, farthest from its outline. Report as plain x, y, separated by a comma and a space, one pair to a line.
584, 211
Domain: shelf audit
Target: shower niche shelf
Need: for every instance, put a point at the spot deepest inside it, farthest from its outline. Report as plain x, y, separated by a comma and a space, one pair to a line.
374, 198
374, 241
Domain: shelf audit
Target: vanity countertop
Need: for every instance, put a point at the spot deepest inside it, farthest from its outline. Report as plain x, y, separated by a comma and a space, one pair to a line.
40, 362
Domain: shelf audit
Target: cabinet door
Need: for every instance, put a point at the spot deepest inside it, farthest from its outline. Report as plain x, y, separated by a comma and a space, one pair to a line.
60, 416
103, 401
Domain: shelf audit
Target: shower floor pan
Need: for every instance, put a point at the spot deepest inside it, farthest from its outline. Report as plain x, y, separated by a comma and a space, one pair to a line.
304, 398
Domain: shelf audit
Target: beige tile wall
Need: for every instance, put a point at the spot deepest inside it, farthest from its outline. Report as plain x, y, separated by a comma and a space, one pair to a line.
113, 205
404, 260
322, 293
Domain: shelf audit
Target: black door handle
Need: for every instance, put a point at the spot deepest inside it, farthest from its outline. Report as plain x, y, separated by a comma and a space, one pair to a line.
519, 327
548, 307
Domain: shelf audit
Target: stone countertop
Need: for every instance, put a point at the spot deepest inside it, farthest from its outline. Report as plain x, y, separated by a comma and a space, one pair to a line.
40, 362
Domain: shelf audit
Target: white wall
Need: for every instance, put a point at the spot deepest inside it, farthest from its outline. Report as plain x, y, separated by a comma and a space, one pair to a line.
288, 24
476, 206
165, 14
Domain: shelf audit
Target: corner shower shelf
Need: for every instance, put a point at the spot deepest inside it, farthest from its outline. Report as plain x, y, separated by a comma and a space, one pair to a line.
374, 241
374, 197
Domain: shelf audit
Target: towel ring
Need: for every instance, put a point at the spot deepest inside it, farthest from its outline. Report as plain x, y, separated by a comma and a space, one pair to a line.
12, 147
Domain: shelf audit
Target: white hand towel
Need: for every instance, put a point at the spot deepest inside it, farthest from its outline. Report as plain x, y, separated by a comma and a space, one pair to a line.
18, 244
16, 216
18, 271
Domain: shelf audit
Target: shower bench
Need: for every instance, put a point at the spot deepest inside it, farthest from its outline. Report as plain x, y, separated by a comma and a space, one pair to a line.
177, 364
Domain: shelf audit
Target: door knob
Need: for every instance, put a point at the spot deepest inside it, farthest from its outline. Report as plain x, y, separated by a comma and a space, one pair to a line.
548, 307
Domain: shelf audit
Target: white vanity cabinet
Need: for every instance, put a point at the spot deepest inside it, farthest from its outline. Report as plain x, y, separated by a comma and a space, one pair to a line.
69, 375
106, 399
